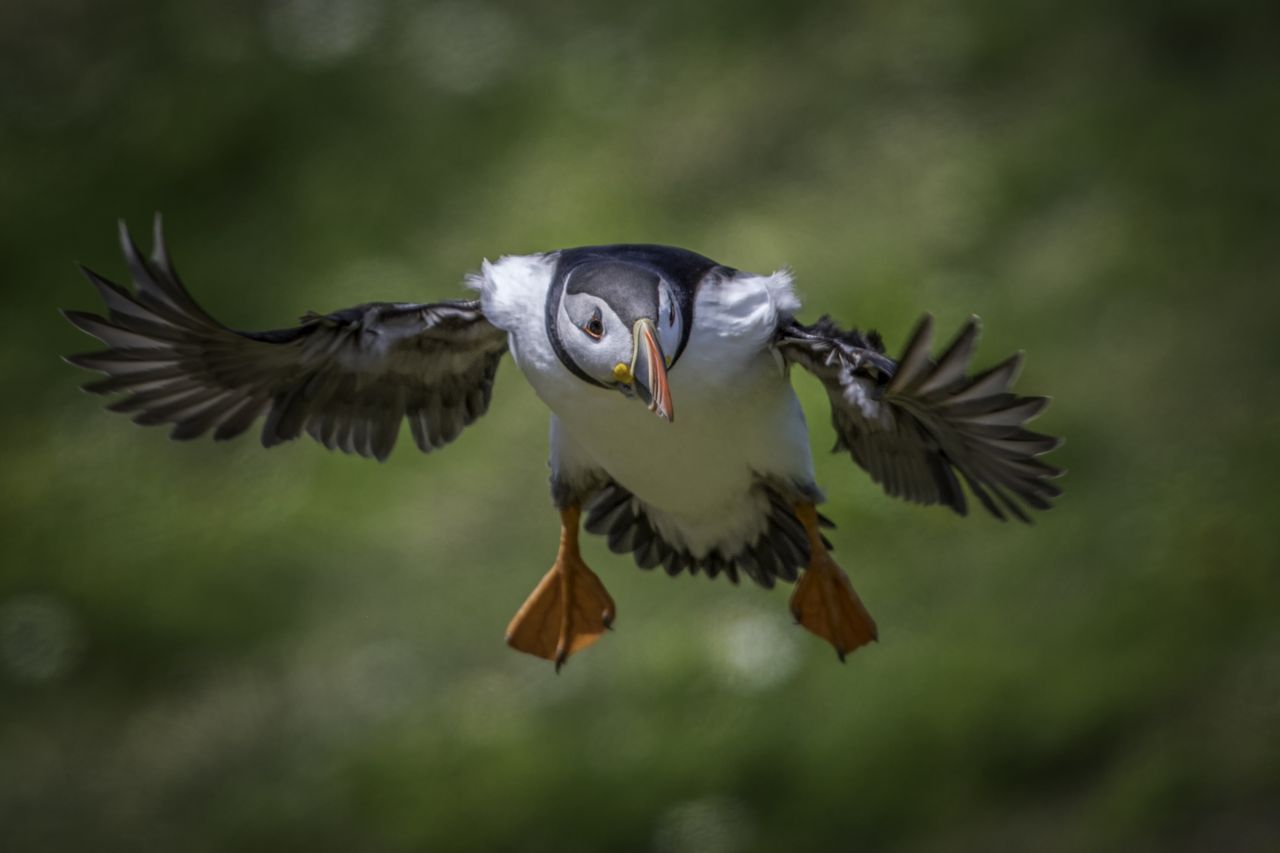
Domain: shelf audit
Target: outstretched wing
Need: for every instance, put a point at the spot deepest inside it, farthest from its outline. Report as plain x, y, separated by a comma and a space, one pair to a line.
916, 423
348, 378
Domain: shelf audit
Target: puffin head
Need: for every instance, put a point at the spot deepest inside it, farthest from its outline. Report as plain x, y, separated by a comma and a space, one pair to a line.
617, 324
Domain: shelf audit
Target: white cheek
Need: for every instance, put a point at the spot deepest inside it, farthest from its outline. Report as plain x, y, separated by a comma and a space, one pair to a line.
567, 328
596, 357
668, 325
616, 346
669, 337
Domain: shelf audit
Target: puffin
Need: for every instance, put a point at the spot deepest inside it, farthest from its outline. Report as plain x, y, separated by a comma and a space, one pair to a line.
675, 432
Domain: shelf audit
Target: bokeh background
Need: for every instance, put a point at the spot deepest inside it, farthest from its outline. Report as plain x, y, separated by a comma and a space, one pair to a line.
212, 647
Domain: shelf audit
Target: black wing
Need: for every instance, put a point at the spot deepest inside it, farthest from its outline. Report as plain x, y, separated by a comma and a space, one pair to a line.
916, 423
347, 378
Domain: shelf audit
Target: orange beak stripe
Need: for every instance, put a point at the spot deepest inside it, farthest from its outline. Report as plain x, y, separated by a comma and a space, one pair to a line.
661, 390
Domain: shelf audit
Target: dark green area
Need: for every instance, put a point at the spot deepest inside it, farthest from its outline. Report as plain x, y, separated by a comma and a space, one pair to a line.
213, 647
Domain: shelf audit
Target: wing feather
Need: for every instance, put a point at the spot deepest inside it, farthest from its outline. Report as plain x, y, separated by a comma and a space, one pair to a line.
348, 378
920, 426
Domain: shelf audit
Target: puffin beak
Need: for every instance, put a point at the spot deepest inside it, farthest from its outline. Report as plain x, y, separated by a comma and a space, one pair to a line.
649, 370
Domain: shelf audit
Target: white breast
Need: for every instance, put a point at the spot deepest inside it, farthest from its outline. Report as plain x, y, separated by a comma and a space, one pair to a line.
736, 417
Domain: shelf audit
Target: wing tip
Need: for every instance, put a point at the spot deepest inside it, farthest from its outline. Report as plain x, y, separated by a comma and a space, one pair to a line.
159, 248
82, 320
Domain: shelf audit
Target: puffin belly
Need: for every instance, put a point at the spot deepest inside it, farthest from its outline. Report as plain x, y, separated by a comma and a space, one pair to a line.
698, 475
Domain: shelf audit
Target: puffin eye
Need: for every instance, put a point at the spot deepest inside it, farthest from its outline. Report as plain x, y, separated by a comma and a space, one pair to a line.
595, 326
671, 314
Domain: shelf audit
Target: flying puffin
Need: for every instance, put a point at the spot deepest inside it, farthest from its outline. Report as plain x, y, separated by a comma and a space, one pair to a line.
675, 432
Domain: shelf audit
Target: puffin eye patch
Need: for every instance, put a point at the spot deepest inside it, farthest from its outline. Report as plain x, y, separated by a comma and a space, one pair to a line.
595, 326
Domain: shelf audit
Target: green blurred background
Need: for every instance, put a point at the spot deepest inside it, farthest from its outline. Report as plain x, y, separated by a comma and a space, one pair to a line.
212, 647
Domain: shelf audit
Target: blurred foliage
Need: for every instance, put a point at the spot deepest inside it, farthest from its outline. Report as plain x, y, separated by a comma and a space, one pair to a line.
212, 647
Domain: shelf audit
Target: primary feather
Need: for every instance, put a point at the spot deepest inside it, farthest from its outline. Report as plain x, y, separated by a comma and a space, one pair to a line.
348, 379
916, 423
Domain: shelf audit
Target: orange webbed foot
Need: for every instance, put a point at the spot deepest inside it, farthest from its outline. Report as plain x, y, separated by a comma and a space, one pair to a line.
824, 601
568, 610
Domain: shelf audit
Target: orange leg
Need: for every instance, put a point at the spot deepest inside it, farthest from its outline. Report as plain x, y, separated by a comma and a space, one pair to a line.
824, 601
568, 610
